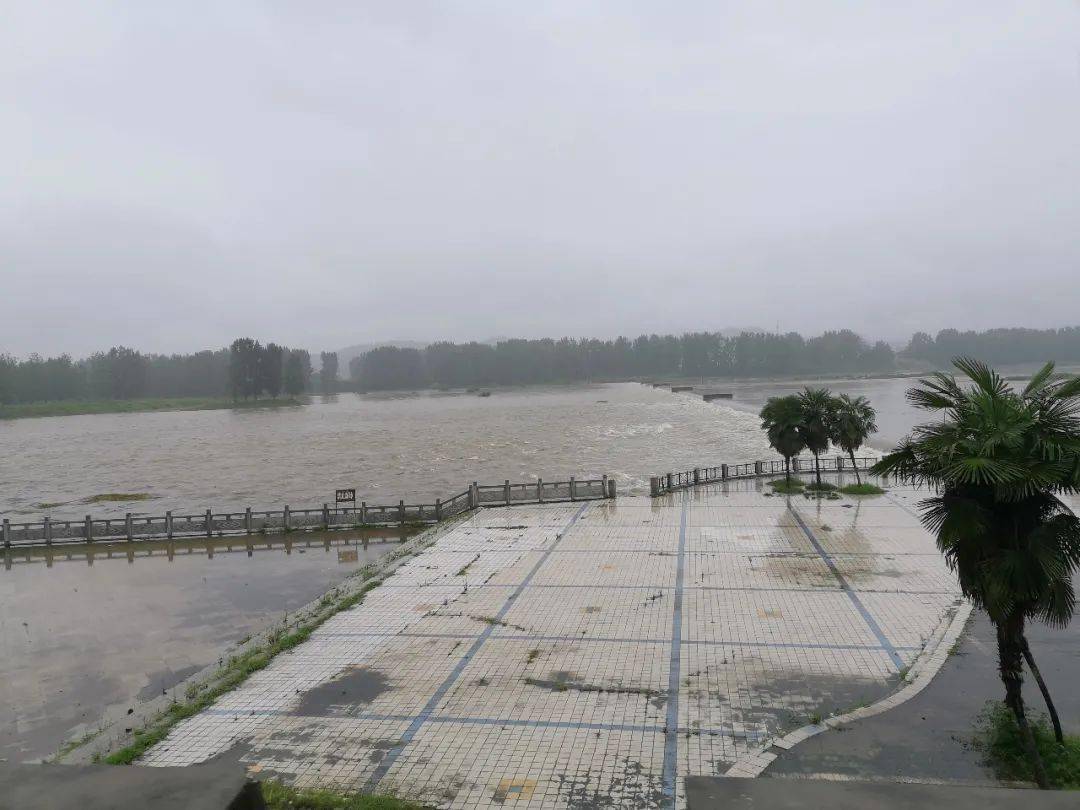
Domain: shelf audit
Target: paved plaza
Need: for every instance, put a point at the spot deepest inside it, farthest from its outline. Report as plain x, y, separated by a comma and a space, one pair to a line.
580, 655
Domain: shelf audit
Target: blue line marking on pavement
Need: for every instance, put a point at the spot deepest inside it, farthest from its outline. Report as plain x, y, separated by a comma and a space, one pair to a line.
778, 645
429, 708
671, 727
859, 606
496, 721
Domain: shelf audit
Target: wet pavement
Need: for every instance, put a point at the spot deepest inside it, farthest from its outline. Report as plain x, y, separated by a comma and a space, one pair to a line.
929, 738
593, 655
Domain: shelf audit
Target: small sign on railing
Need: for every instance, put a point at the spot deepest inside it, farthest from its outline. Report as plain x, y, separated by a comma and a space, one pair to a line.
345, 495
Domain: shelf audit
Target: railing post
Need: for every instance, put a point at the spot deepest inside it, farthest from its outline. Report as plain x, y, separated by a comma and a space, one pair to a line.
88, 529
603, 487
506, 491
168, 525
670, 482
539, 490
285, 518
7, 533
697, 475
438, 509
723, 472
48, 530
209, 523
326, 515
839, 463
363, 512
795, 464
128, 527
654, 485
573, 489
474, 496
611, 488
401, 512
248, 525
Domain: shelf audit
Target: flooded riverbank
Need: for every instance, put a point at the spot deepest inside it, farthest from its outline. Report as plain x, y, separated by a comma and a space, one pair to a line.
416, 446
85, 632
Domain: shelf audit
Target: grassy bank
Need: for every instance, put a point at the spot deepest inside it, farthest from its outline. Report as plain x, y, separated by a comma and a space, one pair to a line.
283, 797
78, 407
998, 737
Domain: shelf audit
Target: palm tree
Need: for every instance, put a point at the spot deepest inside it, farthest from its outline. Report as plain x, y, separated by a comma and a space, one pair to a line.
852, 422
817, 408
997, 460
781, 419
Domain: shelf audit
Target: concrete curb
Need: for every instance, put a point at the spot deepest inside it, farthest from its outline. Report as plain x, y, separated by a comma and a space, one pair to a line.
917, 678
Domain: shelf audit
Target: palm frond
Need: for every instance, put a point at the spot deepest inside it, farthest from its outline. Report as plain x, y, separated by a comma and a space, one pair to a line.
1037, 385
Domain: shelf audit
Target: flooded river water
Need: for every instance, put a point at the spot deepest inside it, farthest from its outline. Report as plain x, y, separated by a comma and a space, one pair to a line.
414, 446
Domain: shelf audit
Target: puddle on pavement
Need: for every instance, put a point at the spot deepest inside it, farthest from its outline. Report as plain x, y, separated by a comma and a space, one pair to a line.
353, 686
86, 632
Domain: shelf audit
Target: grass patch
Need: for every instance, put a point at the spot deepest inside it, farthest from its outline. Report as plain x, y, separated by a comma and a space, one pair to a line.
498, 623
465, 568
794, 487
998, 737
80, 407
282, 797
109, 497
234, 672
824, 486
862, 489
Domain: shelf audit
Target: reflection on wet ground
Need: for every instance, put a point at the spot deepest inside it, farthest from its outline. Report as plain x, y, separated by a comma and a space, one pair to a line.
87, 631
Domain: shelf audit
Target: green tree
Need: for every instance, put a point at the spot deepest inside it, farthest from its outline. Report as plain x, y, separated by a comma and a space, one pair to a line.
8, 370
997, 460
852, 423
119, 373
817, 406
328, 376
297, 372
244, 368
782, 421
271, 369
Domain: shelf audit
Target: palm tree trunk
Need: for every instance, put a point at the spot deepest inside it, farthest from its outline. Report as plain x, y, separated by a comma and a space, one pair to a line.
1010, 664
1058, 735
817, 470
855, 466
787, 471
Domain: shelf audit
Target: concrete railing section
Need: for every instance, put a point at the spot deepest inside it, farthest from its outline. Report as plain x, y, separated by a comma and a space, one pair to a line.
667, 482
327, 517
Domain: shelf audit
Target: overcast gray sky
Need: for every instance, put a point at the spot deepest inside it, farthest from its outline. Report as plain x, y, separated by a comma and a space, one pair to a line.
177, 174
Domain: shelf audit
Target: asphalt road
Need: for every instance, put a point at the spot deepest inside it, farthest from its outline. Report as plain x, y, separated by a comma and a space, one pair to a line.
929, 738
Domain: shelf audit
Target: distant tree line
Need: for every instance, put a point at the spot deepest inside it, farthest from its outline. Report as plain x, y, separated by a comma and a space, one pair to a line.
997, 345
255, 370
696, 354
246, 369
